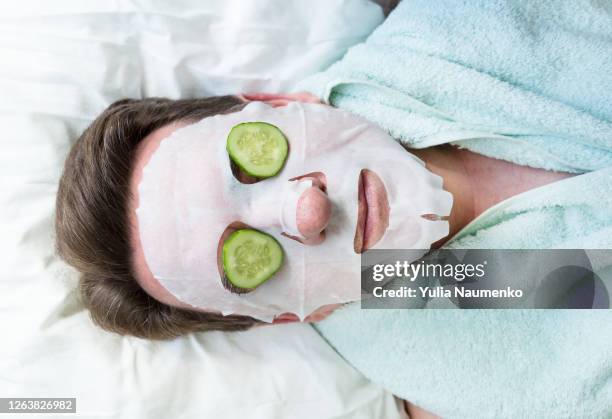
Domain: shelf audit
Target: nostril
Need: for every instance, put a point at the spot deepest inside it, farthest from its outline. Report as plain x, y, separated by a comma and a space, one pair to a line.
313, 212
311, 241
318, 179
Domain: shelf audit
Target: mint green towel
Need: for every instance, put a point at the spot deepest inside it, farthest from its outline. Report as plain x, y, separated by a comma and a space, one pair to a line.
525, 81
499, 363
534, 75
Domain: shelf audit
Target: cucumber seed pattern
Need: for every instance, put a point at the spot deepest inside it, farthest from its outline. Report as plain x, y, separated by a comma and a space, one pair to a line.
261, 149
252, 258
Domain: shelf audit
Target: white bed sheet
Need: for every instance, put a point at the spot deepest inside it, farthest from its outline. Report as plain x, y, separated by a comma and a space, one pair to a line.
61, 63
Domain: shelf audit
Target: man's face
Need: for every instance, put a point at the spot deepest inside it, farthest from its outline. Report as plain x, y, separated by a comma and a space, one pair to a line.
334, 196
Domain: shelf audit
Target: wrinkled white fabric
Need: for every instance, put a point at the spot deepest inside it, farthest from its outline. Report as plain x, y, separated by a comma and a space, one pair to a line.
188, 197
63, 62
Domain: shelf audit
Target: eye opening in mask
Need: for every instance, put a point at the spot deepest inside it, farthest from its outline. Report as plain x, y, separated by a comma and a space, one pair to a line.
247, 258
241, 176
257, 150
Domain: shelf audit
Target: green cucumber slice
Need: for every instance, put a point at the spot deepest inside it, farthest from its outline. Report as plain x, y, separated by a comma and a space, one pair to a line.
258, 148
250, 258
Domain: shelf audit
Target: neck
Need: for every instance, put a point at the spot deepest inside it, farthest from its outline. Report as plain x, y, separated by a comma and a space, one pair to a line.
478, 182
450, 166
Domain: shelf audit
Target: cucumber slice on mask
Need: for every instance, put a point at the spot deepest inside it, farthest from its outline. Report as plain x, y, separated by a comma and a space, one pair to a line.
250, 258
258, 148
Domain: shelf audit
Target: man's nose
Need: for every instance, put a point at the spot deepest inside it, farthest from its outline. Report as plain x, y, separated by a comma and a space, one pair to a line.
312, 214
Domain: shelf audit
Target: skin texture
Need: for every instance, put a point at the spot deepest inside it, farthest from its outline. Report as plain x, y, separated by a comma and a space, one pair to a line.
313, 213
314, 210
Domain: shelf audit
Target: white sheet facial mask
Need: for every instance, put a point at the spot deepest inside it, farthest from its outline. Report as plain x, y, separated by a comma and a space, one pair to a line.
188, 196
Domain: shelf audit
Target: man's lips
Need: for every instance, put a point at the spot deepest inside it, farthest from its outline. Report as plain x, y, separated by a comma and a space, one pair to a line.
373, 211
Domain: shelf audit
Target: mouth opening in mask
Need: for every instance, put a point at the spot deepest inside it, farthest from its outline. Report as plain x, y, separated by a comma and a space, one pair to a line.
373, 211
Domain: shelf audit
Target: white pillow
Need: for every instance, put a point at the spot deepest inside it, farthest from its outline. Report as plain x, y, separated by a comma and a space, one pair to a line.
62, 63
